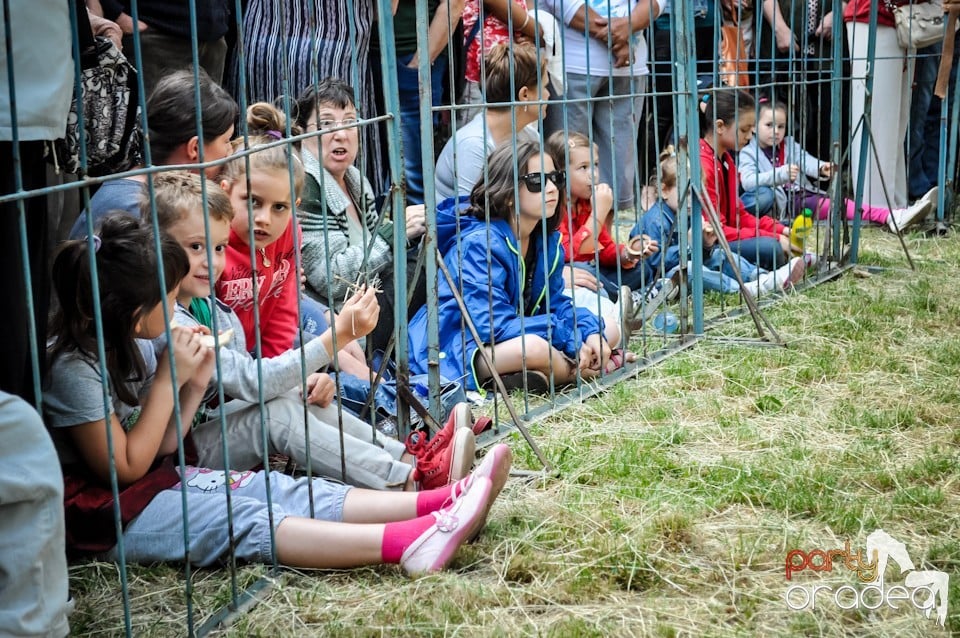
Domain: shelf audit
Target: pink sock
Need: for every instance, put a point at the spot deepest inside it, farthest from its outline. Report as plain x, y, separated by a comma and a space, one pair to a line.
432, 500
397, 537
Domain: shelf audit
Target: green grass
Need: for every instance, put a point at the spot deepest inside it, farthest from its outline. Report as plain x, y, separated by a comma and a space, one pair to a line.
679, 492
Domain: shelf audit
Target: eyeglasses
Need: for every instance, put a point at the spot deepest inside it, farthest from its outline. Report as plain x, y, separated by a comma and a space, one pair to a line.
534, 181
323, 125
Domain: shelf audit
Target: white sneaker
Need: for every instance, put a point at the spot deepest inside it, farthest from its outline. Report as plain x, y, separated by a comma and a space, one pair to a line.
753, 288
768, 281
903, 218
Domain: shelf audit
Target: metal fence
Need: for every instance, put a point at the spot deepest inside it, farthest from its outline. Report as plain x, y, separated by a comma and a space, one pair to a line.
295, 45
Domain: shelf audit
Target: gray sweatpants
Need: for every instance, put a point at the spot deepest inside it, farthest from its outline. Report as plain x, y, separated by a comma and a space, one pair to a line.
371, 461
33, 562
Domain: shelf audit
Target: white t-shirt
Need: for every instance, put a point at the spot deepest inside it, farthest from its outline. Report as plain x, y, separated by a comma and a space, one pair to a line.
577, 45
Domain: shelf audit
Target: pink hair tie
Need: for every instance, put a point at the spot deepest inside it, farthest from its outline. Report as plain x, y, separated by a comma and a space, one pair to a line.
275, 134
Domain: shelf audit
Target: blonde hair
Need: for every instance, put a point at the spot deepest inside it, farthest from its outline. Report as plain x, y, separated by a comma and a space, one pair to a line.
668, 167
180, 193
266, 124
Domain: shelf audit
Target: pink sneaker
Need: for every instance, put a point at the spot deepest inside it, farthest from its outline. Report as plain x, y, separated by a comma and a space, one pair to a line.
456, 523
494, 467
449, 455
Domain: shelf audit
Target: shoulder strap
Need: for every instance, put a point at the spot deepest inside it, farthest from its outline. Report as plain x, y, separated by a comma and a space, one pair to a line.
474, 30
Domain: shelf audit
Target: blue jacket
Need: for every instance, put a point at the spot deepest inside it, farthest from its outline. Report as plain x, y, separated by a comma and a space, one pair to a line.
492, 293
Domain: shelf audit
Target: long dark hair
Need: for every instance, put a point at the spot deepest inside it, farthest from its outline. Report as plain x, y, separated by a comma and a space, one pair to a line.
172, 115
494, 192
722, 104
128, 285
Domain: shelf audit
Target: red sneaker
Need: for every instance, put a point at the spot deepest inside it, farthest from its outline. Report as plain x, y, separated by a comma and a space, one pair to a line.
449, 455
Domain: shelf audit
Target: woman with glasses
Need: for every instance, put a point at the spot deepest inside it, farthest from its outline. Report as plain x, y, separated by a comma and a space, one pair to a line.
338, 214
503, 251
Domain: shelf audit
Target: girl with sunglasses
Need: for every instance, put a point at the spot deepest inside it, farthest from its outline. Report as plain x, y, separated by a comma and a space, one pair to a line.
503, 251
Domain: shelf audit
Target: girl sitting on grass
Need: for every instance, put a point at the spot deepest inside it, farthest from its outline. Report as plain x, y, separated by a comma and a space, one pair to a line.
503, 252
352, 527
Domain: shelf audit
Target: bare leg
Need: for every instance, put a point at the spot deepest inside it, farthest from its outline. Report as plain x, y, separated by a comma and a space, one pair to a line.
611, 330
539, 355
305, 542
352, 361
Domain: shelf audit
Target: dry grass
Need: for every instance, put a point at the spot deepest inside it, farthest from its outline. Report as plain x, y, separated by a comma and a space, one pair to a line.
680, 491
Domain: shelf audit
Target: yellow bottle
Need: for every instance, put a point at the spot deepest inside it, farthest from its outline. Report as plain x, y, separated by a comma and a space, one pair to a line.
802, 226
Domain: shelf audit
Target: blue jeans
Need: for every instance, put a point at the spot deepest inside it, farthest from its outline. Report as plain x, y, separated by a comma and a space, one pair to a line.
923, 141
718, 274
760, 201
765, 252
313, 318
614, 120
408, 85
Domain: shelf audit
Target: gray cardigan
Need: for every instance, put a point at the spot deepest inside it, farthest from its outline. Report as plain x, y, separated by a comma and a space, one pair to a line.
323, 220
239, 369
757, 170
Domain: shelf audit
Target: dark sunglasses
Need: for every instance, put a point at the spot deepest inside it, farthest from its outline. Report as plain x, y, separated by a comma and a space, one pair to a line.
534, 181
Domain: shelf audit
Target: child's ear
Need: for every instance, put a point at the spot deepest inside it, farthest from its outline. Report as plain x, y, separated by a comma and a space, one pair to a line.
523, 93
719, 126
297, 203
225, 186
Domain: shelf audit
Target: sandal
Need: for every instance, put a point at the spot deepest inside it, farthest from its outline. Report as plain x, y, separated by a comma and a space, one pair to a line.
619, 358
532, 381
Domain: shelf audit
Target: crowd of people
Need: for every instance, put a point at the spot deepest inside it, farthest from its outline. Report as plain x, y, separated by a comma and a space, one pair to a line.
249, 307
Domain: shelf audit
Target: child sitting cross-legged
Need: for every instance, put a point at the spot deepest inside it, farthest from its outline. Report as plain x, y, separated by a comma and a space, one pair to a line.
132, 436
661, 223
371, 459
503, 253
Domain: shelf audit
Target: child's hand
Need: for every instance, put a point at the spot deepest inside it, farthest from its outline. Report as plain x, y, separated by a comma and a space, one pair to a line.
794, 172
320, 389
709, 236
574, 277
188, 353
826, 170
359, 314
642, 246
416, 217
597, 355
602, 202
785, 242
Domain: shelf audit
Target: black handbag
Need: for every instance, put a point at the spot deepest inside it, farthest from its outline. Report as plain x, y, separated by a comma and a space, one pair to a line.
110, 101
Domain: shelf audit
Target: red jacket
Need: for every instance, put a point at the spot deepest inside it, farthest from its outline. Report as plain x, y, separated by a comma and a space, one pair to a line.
859, 11
277, 288
721, 185
583, 228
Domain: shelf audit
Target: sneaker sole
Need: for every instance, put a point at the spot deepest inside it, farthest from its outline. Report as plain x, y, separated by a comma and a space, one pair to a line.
797, 270
536, 382
463, 452
462, 416
918, 215
495, 467
438, 546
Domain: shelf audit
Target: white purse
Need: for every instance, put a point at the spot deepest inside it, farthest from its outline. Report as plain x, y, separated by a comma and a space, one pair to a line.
918, 25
